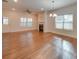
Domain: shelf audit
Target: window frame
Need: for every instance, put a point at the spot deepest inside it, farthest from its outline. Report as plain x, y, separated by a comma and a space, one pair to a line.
25, 24
64, 23
5, 18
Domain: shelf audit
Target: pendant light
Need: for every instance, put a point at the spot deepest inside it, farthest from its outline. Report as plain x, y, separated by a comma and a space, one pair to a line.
52, 14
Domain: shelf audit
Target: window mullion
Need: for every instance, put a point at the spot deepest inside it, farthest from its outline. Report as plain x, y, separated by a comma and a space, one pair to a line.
63, 22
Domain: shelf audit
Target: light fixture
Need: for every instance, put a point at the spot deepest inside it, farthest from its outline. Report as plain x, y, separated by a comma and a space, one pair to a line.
52, 14
15, 0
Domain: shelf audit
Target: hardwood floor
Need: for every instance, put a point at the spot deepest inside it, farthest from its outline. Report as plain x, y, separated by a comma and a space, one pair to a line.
38, 45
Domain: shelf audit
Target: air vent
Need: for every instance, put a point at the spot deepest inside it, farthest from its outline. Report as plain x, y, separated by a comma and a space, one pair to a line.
5, 0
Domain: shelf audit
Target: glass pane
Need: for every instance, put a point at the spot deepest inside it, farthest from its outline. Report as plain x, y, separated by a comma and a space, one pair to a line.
59, 19
29, 19
23, 24
5, 20
23, 19
29, 24
68, 26
59, 25
68, 18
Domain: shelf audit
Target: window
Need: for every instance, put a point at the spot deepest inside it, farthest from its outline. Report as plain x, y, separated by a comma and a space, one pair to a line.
26, 22
23, 21
29, 22
64, 22
5, 20
59, 22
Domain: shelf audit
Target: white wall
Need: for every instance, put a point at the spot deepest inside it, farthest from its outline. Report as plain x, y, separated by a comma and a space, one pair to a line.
14, 21
50, 23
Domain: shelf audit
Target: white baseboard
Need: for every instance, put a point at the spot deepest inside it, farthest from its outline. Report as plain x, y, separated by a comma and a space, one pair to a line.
65, 34
19, 30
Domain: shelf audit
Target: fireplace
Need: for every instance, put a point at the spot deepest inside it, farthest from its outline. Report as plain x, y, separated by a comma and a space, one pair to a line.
41, 27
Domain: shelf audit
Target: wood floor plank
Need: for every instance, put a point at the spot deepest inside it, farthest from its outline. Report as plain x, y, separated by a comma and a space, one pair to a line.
38, 45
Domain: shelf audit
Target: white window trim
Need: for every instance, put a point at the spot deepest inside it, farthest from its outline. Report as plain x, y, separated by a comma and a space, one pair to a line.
26, 23
63, 24
3, 19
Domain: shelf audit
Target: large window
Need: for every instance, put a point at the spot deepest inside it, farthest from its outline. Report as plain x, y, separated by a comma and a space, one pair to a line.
64, 22
23, 21
27, 22
5, 20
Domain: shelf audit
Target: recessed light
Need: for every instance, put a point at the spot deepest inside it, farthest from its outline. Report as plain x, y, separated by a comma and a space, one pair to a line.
13, 9
15, 0
50, 15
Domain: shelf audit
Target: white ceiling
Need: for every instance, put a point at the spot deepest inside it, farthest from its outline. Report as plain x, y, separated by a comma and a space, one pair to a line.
36, 5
